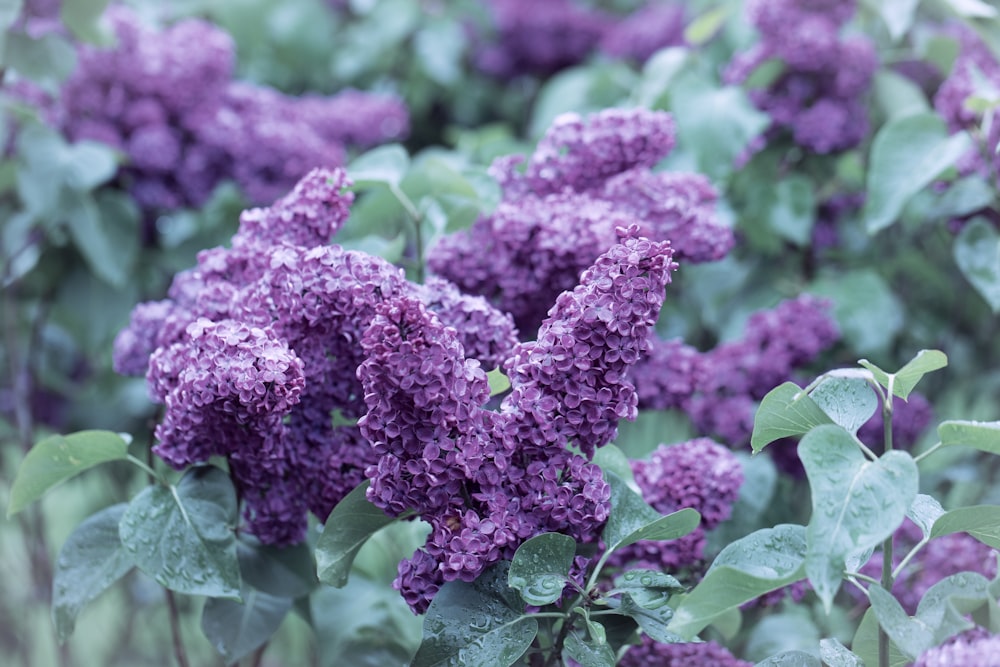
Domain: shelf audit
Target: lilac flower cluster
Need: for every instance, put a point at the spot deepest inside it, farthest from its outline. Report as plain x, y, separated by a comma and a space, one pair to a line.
314, 302
645, 31
976, 67
699, 474
561, 206
651, 653
486, 481
166, 99
941, 557
973, 648
818, 97
719, 389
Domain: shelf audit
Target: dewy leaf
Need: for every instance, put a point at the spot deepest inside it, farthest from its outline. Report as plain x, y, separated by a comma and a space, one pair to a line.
869, 313
835, 654
907, 154
89, 562
977, 253
478, 623
184, 536
278, 571
984, 436
910, 635
385, 164
945, 607
924, 512
849, 402
654, 622
865, 643
540, 567
632, 520
610, 458
648, 588
759, 563
856, 503
59, 457
980, 521
348, 527
794, 658
587, 652
784, 412
906, 378
236, 629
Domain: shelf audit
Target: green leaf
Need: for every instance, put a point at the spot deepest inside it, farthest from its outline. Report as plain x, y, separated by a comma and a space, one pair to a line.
582, 90
82, 16
868, 312
793, 210
835, 654
849, 402
540, 567
9, 11
91, 559
657, 75
499, 383
59, 457
791, 659
980, 521
348, 527
653, 621
906, 378
652, 428
610, 458
784, 412
788, 631
588, 652
977, 253
379, 558
972, 8
897, 96
632, 520
924, 512
88, 164
47, 60
714, 124
386, 164
106, 234
706, 26
865, 643
184, 536
288, 572
759, 563
648, 588
910, 635
907, 154
945, 607
363, 624
236, 629
439, 47
984, 436
896, 14
478, 623
856, 503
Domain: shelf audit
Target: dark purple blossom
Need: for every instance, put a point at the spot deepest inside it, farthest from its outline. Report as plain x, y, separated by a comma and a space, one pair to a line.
651, 653
645, 31
910, 418
818, 97
669, 375
973, 648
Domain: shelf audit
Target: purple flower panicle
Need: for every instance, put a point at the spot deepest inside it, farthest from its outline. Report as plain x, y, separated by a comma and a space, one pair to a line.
651, 653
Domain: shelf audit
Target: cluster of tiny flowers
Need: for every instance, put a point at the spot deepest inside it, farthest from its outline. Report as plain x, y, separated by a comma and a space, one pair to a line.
585, 178
699, 474
315, 300
486, 481
651, 653
537, 38
166, 99
645, 31
941, 557
818, 97
975, 68
719, 389
973, 648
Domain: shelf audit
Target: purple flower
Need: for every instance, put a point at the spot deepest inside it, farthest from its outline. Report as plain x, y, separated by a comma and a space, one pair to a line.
974, 648
645, 31
910, 418
651, 653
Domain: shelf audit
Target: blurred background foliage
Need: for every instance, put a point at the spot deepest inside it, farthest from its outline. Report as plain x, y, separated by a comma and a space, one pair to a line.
76, 254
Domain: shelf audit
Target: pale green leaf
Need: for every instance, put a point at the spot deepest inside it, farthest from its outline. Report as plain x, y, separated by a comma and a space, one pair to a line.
785, 411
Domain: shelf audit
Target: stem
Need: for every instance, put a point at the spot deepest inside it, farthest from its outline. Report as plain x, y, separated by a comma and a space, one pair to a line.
141, 464
887, 574
906, 559
175, 630
418, 220
258, 656
920, 457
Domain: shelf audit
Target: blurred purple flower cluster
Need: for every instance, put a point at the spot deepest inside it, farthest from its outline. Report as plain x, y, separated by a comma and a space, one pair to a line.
313, 302
561, 205
973, 648
540, 38
719, 389
699, 474
486, 481
166, 99
818, 96
652, 653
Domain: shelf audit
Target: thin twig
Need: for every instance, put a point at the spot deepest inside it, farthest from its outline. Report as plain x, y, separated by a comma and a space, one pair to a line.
175, 630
